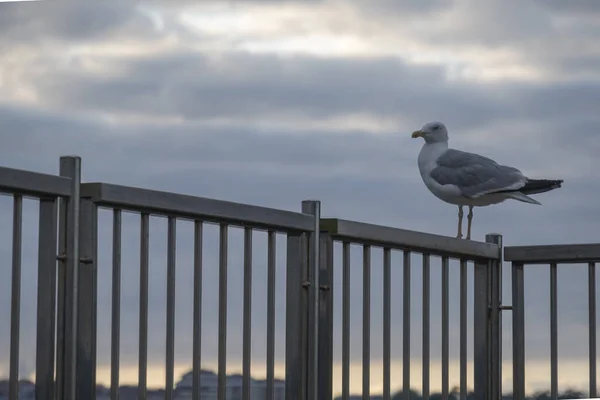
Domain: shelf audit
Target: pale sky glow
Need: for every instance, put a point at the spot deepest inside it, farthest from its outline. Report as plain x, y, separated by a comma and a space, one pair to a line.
270, 103
572, 374
268, 30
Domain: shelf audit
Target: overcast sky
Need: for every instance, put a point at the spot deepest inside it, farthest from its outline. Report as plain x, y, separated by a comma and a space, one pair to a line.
273, 102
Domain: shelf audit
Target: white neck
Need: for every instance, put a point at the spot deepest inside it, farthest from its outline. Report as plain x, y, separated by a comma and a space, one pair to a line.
429, 153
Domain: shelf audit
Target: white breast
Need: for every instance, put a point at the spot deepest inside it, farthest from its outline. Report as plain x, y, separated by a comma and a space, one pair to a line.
427, 162
428, 155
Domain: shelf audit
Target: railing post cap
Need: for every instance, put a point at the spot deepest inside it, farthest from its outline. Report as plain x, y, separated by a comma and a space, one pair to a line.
311, 201
494, 238
312, 207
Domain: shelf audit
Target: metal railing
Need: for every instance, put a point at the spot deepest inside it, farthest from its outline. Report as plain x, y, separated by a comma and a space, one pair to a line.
72, 313
201, 211
552, 255
48, 190
486, 258
67, 292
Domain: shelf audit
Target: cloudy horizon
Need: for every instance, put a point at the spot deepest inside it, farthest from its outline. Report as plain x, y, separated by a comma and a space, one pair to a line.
273, 102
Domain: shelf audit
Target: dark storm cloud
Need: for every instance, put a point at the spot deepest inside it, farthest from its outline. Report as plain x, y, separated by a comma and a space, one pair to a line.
65, 19
238, 85
148, 145
196, 86
581, 8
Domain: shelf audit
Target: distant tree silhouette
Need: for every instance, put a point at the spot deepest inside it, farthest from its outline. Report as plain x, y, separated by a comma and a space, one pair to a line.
572, 394
455, 395
414, 395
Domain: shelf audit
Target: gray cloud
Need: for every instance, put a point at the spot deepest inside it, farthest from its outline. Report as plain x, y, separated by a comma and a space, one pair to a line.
579, 8
194, 86
70, 20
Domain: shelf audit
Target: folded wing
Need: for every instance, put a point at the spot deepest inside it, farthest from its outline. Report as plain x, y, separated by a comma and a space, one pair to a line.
476, 175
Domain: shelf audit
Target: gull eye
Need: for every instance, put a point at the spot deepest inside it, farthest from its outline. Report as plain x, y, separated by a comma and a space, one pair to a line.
435, 127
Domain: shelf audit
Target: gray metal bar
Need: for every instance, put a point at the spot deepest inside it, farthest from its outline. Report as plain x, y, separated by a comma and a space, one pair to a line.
345, 321
271, 264
445, 328
563, 253
481, 353
592, 327
495, 321
184, 206
463, 329
197, 345
553, 334
366, 336
325, 343
87, 301
115, 347
15, 302
406, 326
387, 316
408, 240
143, 328
170, 335
247, 321
33, 183
296, 318
313, 208
46, 300
518, 312
70, 167
426, 324
222, 346
487, 325
60, 297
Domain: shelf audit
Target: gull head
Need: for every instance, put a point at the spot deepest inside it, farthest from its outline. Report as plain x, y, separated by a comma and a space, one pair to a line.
432, 132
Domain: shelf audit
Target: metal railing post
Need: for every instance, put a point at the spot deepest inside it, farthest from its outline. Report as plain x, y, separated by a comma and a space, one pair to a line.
313, 207
325, 360
518, 304
46, 300
70, 167
296, 317
487, 336
495, 320
87, 301
480, 331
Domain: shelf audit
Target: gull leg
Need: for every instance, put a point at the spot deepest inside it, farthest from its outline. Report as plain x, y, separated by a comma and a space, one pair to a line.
469, 220
460, 218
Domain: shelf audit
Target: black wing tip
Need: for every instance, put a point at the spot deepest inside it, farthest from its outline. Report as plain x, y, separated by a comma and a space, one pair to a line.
535, 186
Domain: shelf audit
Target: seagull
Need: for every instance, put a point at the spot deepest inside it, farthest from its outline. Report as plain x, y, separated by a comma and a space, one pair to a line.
467, 179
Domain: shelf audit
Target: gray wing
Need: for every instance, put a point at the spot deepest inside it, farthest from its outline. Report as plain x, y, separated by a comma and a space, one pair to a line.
475, 175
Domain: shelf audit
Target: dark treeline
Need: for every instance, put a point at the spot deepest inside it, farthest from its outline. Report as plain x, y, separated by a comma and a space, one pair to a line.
454, 395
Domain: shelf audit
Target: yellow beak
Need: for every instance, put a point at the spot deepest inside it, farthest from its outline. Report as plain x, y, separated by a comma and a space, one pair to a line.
417, 134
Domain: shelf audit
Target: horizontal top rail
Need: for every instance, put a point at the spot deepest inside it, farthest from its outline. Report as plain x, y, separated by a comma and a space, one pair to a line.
558, 253
409, 240
17, 181
192, 207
